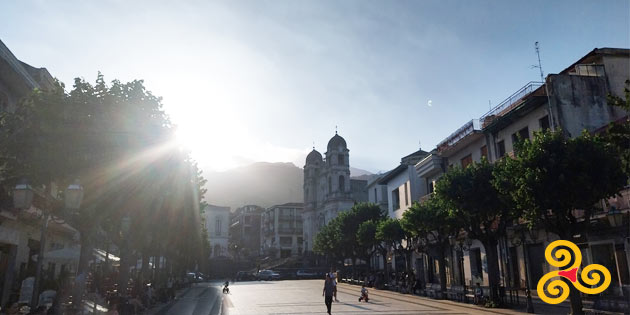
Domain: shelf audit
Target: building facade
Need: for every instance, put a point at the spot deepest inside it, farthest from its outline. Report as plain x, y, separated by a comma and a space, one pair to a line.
217, 223
245, 233
282, 230
20, 230
573, 100
328, 188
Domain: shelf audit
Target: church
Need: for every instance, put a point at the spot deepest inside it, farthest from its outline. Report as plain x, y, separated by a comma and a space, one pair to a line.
328, 188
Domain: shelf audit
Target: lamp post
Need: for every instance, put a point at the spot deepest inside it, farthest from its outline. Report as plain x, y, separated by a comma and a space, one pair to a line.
23, 199
522, 241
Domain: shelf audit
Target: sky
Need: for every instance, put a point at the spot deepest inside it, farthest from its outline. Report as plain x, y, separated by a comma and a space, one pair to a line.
249, 81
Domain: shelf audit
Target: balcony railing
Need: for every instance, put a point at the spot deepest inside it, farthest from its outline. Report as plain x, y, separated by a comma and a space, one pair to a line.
512, 100
459, 134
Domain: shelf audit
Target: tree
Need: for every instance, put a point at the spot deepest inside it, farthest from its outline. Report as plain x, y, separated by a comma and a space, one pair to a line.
431, 224
117, 140
618, 134
556, 182
390, 232
479, 209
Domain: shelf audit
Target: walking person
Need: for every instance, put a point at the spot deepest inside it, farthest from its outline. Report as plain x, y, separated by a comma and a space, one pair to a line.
328, 291
333, 278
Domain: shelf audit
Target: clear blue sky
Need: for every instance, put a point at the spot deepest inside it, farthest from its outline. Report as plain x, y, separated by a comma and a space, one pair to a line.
261, 80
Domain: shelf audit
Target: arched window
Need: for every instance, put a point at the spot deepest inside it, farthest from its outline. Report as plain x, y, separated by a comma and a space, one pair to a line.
342, 183
217, 250
329, 185
340, 159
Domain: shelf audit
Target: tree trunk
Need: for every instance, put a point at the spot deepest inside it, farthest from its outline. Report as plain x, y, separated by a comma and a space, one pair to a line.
575, 298
385, 266
442, 271
493, 269
123, 270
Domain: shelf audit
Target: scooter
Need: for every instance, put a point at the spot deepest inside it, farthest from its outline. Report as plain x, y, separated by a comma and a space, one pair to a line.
226, 290
364, 297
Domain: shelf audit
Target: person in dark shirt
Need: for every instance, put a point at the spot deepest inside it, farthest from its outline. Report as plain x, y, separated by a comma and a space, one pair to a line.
329, 289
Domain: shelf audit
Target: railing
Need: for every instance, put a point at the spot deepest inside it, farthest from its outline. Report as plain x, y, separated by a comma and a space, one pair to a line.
512, 99
459, 134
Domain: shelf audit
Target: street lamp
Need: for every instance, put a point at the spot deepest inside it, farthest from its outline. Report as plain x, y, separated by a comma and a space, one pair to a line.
23, 199
516, 241
22, 195
74, 196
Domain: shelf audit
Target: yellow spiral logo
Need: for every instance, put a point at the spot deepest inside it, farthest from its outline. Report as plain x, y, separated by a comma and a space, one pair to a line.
561, 258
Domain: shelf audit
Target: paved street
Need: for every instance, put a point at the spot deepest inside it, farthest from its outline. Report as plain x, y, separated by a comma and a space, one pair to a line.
200, 299
305, 297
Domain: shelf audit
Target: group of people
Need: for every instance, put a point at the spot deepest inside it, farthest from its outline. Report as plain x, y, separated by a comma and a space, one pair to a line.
330, 290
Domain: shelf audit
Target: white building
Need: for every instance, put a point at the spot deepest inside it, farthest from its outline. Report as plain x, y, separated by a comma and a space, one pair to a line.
218, 227
403, 185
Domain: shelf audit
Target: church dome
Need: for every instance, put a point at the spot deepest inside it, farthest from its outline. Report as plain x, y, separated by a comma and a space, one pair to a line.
313, 157
336, 142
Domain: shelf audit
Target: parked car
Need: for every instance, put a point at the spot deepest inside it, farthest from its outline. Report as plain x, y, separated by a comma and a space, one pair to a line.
268, 275
306, 274
245, 276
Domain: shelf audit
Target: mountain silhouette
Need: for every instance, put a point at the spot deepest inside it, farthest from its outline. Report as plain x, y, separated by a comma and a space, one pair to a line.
262, 183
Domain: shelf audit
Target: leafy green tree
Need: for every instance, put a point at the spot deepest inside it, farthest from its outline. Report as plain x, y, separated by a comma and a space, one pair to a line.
391, 233
431, 224
117, 140
328, 242
618, 134
479, 209
556, 182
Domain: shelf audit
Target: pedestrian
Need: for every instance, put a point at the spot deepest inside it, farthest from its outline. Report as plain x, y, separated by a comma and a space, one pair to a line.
328, 292
333, 278
364, 294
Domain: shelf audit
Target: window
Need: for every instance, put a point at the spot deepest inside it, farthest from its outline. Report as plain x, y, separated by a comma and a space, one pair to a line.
431, 185
286, 241
217, 228
467, 160
544, 123
484, 152
519, 136
340, 159
395, 199
476, 268
406, 194
500, 149
342, 184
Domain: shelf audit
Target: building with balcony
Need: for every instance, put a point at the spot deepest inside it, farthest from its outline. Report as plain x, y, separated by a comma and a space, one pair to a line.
328, 188
281, 231
20, 230
245, 230
573, 100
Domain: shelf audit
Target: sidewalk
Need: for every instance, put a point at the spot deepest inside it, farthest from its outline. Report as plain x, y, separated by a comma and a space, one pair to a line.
539, 306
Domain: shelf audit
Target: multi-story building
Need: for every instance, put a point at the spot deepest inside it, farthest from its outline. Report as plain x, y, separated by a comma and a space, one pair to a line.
403, 184
328, 189
20, 230
245, 230
217, 222
281, 231
573, 100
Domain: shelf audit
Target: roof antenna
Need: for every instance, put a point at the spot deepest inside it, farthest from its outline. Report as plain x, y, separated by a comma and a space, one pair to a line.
335, 129
542, 80
539, 66
419, 145
489, 104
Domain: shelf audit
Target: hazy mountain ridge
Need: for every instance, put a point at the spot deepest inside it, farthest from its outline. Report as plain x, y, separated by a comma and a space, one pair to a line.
262, 183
